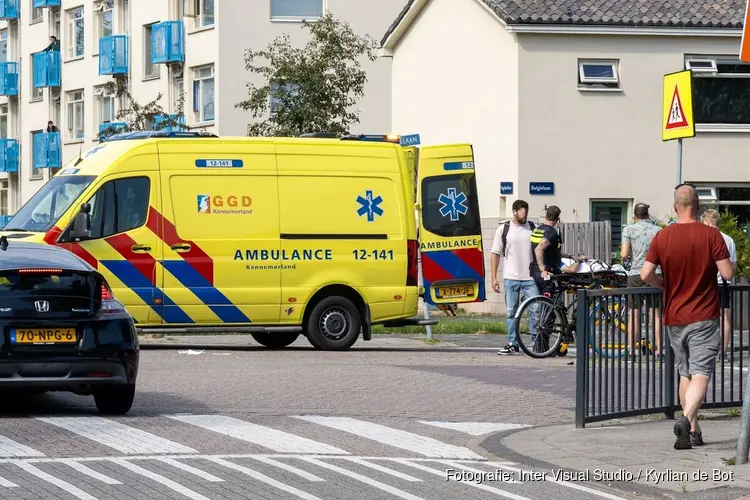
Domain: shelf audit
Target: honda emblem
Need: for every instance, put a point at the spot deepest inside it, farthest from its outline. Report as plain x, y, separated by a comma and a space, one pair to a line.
42, 306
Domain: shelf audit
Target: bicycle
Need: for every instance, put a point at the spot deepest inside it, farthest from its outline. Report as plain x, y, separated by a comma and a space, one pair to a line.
558, 318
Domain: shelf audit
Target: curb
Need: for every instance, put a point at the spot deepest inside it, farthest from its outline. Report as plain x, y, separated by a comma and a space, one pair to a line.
163, 346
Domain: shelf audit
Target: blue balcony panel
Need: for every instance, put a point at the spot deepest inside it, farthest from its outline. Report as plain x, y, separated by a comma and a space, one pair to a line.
167, 42
159, 120
40, 4
46, 68
47, 150
4, 219
9, 155
113, 55
117, 127
9, 9
9, 78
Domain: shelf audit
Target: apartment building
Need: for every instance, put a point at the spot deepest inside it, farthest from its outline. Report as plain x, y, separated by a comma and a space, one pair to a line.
189, 51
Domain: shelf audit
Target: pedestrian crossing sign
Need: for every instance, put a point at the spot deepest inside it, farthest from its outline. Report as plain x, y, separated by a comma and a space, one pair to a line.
677, 117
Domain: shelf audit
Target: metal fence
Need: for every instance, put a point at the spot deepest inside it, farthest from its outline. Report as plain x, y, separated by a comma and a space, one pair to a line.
592, 239
618, 376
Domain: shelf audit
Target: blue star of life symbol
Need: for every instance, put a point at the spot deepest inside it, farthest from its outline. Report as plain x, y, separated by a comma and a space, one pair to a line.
453, 204
370, 205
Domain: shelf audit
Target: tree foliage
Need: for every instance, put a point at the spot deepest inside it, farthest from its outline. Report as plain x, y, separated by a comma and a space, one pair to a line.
728, 225
138, 117
315, 87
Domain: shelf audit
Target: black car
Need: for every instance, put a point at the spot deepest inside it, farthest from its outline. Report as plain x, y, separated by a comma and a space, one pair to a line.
61, 328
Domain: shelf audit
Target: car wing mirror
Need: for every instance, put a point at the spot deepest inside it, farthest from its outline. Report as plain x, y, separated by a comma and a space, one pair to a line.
81, 229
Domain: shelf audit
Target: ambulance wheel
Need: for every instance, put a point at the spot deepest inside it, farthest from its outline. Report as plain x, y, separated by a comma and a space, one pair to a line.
275, 340
334, 324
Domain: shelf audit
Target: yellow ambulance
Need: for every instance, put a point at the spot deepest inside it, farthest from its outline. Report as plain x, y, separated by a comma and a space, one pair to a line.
275, 237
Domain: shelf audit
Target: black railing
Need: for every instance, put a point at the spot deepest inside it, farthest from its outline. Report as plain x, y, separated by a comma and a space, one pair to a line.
625, 364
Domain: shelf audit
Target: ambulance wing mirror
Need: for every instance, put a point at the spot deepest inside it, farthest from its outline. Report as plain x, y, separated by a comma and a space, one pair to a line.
81, 229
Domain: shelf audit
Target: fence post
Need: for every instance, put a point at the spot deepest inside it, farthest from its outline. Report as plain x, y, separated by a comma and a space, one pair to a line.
582, 358
743, 441
669, 380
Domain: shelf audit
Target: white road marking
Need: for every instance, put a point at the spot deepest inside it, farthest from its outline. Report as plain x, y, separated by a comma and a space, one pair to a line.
267, 437
384, 470
12, 449
458, 465
189, 468
550, 479
73, 464
121, 437
289, 468
475, 428
496, 491
393, 437
63, 485
172, 485
265, 479
7, 484
363, 479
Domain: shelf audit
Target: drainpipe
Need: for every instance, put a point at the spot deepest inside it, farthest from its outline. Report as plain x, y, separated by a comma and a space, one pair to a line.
17, 202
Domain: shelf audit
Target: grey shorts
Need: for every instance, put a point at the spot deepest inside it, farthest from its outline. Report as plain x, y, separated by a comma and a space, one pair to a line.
695, 347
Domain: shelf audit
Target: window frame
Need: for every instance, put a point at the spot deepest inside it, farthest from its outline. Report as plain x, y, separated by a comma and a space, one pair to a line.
4, 197
298, 18
178, 87
36, 94
106, 194
4, 118
37, 14
148, 33
70, 106
4, 43
101, 93
99, 14
273, 102
199, 86
198, 12
72, 40
612, 83
36, 173
714, 72
429, 217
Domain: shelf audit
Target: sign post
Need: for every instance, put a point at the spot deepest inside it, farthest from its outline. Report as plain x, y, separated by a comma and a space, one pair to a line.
745, 45
677, 117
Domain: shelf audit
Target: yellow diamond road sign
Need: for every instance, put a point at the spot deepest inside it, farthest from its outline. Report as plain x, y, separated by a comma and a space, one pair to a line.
677, 117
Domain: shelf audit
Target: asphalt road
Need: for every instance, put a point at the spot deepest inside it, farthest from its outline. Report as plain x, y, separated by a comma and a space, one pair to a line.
295, 424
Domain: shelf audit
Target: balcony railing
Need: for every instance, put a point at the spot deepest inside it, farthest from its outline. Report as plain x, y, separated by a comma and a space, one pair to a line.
9, 78
47, 150
169, 123
9, 9
46, 68
9, 155
40, 4
113, 127
167, 42
113, 55
4, 219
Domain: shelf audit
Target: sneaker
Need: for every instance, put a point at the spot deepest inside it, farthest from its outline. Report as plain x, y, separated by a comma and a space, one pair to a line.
509, 350
682, 431
696, 438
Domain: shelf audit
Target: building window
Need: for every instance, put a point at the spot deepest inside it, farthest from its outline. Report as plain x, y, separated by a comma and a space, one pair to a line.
75, 115
37, 15
721, 91
203, 11
598, 74
37, 93
274, 100
36, 173
616, 212
105, 106
4, 121
75, 38
296, 9
178, 106
104, 18
150, 70
203, 93
4, 46
4, 197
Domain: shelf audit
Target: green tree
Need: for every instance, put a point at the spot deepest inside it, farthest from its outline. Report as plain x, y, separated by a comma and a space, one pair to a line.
729, 226
315, 87
141, 116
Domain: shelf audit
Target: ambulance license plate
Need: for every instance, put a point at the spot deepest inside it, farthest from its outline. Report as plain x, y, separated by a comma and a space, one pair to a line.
43, 336
451, 292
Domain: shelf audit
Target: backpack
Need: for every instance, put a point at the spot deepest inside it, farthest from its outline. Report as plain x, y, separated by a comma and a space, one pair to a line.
506, 228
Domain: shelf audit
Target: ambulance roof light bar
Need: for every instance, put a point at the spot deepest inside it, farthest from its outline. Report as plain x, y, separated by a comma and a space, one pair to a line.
373, 138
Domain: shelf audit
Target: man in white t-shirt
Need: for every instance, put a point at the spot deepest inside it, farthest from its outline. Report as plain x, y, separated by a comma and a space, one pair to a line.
513, 244
711, 218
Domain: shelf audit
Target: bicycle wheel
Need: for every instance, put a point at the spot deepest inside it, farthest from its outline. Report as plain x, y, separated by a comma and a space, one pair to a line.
608, 328
539, 327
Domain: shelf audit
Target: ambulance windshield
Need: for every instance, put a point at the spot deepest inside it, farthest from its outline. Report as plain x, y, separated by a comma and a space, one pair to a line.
43, 210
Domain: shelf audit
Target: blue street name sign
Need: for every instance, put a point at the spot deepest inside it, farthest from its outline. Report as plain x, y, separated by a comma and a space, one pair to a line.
506, 188
541, 188
410, 140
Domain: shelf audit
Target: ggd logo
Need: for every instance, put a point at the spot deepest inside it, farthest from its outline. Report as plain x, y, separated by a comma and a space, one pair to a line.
208, 203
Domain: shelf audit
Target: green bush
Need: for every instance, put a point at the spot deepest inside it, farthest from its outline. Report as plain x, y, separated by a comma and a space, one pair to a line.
729, 226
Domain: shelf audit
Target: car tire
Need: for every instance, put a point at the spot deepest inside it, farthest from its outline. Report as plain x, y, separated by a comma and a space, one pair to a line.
334, 324
115, 400
275, 340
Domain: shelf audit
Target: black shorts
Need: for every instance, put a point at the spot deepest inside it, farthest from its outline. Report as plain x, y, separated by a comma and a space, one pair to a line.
724, 296
635, 281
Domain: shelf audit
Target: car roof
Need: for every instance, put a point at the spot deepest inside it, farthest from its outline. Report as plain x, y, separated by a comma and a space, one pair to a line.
20, 255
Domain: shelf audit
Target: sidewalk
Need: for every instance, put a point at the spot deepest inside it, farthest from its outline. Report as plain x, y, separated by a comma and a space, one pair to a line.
638, 452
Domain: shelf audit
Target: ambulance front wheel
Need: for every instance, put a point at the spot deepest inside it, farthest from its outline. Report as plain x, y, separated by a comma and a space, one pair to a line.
334, 324
275, 340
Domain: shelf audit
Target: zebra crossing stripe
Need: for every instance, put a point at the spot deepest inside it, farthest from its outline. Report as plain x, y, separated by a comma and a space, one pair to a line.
276, 440
12, 449
393, 437
79, 467
172, 485
121, 437
384, 470
7, 484
264, 479
190, 469
63, 485
289, 468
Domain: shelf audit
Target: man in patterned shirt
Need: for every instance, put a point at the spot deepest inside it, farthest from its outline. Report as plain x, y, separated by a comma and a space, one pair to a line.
636, 239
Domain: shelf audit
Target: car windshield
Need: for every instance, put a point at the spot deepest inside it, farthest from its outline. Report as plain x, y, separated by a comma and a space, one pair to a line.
42, 211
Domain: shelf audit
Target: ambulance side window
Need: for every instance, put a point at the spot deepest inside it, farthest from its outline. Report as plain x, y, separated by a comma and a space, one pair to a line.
119, 206
450, 205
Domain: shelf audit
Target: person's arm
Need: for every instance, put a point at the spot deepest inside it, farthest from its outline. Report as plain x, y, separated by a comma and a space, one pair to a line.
625, 247
497, 251
539, 254
720, 255
653, 260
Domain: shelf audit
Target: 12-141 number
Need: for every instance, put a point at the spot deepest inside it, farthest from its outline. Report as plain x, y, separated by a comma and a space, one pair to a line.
374, 254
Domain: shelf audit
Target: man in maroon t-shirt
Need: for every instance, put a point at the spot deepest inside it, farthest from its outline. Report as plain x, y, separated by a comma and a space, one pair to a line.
690, 254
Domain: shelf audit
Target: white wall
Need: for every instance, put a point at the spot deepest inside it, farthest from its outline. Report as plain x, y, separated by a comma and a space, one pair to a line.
455, 80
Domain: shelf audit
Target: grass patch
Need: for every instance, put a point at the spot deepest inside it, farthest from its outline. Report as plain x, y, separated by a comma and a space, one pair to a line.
431, 341
729, 461
459, 325
735, 412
